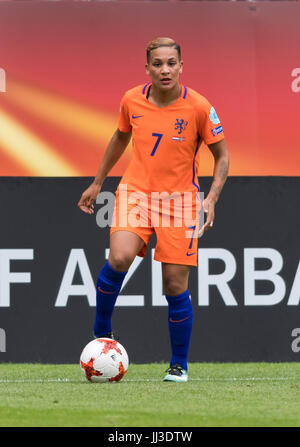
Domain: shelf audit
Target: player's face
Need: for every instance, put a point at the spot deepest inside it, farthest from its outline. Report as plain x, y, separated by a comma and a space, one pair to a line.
164, 68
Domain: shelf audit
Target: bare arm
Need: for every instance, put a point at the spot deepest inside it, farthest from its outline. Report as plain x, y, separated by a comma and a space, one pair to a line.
114, 150
221, 157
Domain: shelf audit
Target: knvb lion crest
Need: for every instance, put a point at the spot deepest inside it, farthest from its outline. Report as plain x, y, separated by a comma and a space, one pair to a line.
180, 125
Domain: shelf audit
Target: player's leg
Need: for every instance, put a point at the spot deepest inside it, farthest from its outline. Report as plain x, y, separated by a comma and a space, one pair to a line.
180, 318
124, 246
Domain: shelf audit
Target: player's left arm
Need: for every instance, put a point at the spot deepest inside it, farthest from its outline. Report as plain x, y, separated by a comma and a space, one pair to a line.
220, 173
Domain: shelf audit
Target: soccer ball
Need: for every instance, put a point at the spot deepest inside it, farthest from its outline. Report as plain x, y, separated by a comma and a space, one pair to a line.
104, 360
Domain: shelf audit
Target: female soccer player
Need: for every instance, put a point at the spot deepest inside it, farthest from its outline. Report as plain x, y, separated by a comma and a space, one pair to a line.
167, 122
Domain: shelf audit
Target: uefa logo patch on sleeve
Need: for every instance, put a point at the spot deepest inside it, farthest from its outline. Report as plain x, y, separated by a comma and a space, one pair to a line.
217, 130
213, 116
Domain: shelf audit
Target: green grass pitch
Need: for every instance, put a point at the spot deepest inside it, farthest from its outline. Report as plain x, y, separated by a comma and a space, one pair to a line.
217, 395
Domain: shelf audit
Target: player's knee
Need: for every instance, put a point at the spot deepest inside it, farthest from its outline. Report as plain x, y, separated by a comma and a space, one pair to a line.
173, 285
120, 261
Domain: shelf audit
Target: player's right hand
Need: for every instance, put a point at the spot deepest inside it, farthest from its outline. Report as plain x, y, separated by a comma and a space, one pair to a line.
88, 197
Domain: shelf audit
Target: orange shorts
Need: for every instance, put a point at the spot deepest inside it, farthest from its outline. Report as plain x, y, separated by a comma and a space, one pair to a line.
174, 218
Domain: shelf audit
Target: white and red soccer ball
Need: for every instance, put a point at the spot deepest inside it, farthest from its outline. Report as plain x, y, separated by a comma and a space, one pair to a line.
104, 360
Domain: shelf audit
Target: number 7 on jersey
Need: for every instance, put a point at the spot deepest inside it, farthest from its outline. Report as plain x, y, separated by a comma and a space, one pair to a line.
159, 137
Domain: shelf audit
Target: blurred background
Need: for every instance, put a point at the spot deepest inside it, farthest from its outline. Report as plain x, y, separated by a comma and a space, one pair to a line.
68, 63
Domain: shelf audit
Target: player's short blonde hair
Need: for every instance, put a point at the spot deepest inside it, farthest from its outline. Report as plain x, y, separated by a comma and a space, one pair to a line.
162, 42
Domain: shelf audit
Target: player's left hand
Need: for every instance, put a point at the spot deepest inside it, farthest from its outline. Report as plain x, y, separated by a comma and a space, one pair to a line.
209, 210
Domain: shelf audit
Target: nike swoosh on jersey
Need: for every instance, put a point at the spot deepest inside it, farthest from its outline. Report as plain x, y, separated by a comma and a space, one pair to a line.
190, 254
178, 321
136, 116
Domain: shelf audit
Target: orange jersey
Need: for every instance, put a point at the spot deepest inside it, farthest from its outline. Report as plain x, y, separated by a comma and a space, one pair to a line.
166, 140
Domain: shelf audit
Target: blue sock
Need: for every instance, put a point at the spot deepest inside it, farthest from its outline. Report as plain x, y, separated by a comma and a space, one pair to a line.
180, 320
109, 284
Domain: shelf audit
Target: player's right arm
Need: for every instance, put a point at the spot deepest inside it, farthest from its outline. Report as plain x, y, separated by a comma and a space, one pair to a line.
114, 150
